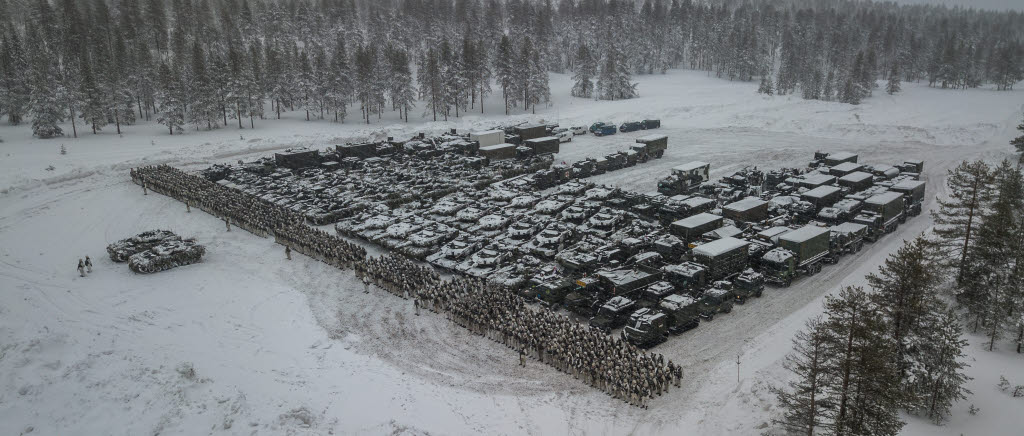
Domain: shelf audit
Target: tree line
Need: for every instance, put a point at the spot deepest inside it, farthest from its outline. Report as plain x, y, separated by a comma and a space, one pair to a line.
210, 63
898, 345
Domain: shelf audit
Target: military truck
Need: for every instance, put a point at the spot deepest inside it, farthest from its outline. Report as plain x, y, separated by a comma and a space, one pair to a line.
802, 251
685, 178
715, 300
690, 229
653, 145
646, 328
848, 237
586, 297
657, 290
686, 276
613, 314
627, 281
683, 312
166, 255
748, 284
650, 124
748, 210
913, 193
890, 206
872, 223
722, 257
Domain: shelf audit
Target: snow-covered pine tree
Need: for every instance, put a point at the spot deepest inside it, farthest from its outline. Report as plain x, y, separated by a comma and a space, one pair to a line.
15, 92
428, 75
482, 74
306, 85
995, 280
364, 81
849, 93
524, 72
614, 81
172, 105
44, 104
121, 99
538, 83
893, 86
804, 399
938, 377
403, 93
828, 92
339, 89
969, 188
864, 392
904, 287
240, 81
1018, 142
94, 105
257, 88
585, 70
766, 85
504, 72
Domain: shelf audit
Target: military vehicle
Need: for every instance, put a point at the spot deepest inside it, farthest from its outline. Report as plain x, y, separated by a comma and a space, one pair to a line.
686, 276
166, 255
848, 237
454, 252
629, 280
683, 312
652, 124
715, 300
913, 193
121, 250
613, 314
656, 291
646, 328
890, 206
801, 251
722, 257
748, 284
685, 178
585, 299
652, 146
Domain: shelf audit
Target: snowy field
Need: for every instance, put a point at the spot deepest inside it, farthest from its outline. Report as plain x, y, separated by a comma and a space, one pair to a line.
296, 347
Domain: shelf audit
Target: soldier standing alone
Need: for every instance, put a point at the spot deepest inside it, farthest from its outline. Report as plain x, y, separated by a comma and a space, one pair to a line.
522, 357
81, 268
88, 265
288, 252
227, 224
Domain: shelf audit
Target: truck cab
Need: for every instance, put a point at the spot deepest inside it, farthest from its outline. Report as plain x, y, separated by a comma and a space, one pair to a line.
748, 284
715, 300
683, 312
646, 328
779, 266
613, 314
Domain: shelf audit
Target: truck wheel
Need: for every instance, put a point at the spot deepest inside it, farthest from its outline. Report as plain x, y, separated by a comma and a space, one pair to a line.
789, 281
759, 293
711, 317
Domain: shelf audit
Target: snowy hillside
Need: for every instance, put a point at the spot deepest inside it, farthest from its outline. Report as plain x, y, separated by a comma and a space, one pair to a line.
281, 347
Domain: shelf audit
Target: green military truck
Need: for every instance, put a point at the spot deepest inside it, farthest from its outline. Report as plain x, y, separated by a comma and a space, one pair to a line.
890, 207
913, 193
654, 146
646, 328
683, 312
801, 251
715, 300
749, 284
722, 257
848, 238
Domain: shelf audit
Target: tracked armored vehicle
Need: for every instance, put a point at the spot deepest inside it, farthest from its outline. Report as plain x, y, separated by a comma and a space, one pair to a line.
121, 250
167, 255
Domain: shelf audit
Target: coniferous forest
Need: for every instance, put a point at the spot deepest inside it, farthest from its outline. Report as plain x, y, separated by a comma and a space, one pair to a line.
200, 64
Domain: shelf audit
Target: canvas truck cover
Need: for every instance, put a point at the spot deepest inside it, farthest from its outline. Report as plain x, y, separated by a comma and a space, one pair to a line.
887, 204
806, 242
837, 158
822, 196
498, 152
488, 138
750, 209
913, 188
689, 229
856, 180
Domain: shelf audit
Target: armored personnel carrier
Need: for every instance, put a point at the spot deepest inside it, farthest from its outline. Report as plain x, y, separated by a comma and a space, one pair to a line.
121, 250
167, 255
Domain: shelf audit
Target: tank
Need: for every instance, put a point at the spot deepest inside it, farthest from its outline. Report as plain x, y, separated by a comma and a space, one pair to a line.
121, 250
167, 255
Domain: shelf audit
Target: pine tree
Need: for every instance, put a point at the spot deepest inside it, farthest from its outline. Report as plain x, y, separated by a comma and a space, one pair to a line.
1018, 142
893, 86
339, 88
804, 400
586, 69
364, 83
94, 105
403, 93
504, 72
538, 83
938, 379
14, 79
172, 105
995, 279
44, 104
614, 80
865, 391
428, 75
969, 188
766, 85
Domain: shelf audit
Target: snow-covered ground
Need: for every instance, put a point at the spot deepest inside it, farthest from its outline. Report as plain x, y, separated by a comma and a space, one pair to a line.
295, 347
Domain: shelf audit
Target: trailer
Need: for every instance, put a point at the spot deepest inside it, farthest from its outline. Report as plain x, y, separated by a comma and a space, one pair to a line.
748, 210
889, 206
362, 150
690, 229
811, 181
801, 251
546, 144
844, 169
723, 257
856, 181
837, 158
297, 158
498, 152
655, 145
530, 131
488, 138
822, 196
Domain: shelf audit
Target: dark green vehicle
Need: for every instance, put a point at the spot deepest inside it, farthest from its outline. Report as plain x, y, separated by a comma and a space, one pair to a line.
715, 300
613, 314
683, 313
801, 252
748, 284
646, 328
